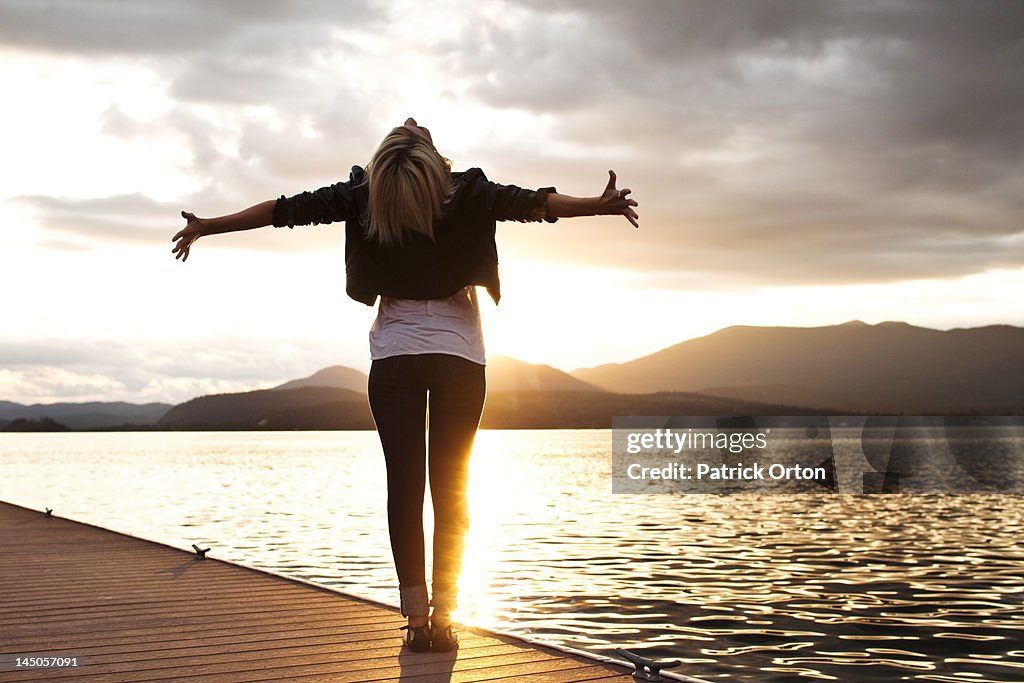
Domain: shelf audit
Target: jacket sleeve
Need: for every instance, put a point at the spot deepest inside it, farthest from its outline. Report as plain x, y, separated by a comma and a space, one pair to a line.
326, 205
509, 202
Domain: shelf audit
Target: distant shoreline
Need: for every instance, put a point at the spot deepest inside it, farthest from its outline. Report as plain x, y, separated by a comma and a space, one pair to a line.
971, 419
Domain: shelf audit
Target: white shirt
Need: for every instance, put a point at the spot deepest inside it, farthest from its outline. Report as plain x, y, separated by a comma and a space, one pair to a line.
415, 326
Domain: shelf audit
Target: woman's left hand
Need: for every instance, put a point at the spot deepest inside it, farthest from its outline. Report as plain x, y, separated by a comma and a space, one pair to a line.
192, 231
614, 201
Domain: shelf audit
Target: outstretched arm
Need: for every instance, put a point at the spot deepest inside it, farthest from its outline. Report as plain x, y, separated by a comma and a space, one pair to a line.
256, 216
611, 202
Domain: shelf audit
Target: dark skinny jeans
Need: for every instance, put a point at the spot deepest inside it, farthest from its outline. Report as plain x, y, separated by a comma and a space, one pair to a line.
400, 389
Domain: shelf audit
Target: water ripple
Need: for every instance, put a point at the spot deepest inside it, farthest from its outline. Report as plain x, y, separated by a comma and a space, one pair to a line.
922, 587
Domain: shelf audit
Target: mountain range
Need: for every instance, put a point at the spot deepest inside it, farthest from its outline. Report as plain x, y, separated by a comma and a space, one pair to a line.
891, 367
92, 415
888, 368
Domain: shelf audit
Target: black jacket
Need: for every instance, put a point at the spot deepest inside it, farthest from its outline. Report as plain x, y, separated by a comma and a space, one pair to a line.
463, 253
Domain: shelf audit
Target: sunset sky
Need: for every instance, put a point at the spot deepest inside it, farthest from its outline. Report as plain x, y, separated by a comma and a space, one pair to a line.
796, 163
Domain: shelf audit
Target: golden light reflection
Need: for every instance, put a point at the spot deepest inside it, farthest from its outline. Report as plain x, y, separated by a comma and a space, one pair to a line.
488, 494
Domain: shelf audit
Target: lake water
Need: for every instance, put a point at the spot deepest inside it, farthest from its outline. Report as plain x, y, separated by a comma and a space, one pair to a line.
810, 586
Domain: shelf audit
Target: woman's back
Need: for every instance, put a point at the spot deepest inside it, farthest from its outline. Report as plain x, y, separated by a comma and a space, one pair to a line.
414, 326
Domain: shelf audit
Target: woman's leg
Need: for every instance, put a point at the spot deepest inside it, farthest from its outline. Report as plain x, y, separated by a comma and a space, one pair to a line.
398, 401
457, 393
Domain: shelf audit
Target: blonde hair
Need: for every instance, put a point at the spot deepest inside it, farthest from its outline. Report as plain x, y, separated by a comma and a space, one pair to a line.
409, 183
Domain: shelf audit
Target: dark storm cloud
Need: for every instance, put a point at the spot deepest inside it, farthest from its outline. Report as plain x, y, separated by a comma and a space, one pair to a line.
883, 141
181, 27
927, 70
228, 53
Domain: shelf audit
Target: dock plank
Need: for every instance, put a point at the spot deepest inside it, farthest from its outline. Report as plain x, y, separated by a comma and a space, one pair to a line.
143, 611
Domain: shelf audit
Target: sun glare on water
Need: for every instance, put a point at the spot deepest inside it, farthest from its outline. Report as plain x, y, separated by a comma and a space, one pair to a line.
494, 485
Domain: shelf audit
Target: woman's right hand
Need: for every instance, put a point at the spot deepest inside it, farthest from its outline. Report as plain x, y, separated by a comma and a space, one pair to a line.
617, 202
192, 231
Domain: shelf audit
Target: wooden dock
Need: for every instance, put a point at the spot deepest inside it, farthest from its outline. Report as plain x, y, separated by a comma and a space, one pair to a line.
137, 610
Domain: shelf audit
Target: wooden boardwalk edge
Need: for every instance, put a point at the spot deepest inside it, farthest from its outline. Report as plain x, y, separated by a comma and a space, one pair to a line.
616, 669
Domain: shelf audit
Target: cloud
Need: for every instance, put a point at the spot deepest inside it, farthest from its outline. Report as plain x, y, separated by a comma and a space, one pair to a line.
774, 143
133, 219
183, 27
47, 370
39, 384
802, 142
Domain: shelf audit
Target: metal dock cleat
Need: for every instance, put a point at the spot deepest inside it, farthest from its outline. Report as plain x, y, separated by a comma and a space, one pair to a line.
646, 669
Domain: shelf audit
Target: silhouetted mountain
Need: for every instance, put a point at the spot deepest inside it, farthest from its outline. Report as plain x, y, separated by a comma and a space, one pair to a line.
503, 374
337, 376
851, 368
891, 367
91, 415
43, 424
595, 409
302, 408
509, 374
330, 408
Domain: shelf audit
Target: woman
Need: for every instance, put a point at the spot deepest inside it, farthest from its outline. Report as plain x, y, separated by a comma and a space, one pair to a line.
421, 238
